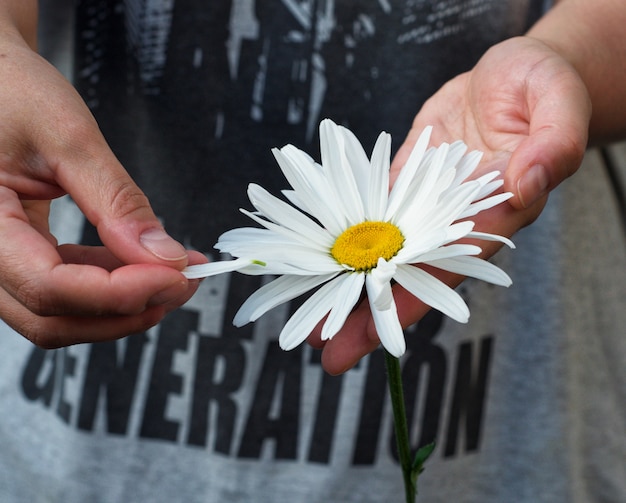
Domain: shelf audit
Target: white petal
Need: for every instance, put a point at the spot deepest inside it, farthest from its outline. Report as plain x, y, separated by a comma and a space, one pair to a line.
214, 268
467, 166
359, 163
314, 188
432, 291
487, 178
473, 267
452, 204
300, 158
458, 230
311, 188
407, 173
290, 234
308, 315
279, 291
277, 268
278, 253
424, 198
308, 261
491, 237
247, 240
387, 324
286, 215
339, 172
456, 153
379, 284
425, 189
347, 297
489, 188
485, 204
293, 197
417, 244
378, 195
449, 251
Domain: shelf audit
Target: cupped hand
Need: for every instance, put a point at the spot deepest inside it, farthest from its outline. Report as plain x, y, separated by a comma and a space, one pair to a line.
528, 110
50, 145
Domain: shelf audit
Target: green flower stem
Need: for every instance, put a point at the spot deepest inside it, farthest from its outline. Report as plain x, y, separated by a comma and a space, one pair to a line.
394, 377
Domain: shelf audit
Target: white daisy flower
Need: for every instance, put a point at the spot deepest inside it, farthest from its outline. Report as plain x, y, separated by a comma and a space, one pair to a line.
343, 230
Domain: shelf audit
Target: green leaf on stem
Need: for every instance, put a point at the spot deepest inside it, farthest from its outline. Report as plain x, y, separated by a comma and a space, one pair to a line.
422, 454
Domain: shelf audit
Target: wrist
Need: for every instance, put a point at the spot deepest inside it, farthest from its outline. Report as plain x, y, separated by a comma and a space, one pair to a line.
18, 20
590, 37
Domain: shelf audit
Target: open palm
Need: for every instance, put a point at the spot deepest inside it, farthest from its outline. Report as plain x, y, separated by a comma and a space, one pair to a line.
528, 110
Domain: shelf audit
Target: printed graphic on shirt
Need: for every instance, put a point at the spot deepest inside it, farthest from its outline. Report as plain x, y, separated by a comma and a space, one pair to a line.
293, 59
205, 90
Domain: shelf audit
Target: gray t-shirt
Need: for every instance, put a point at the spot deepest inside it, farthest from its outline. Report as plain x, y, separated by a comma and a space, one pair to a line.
526, 401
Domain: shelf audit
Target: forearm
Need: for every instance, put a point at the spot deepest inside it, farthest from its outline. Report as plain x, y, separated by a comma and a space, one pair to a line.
592, 37
19, 18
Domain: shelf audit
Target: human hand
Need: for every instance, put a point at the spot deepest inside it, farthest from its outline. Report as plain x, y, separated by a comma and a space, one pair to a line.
50, 145
528, 110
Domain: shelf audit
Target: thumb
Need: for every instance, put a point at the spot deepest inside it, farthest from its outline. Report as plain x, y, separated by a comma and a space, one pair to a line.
539, 164
51, 141
556, 142
116, 206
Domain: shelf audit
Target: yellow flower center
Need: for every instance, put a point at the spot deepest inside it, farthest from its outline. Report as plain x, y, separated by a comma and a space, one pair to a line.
361, 245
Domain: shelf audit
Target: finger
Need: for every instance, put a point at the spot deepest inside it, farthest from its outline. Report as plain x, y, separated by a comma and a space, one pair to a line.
358, 336
34, 274
79, 160
192, 284
558, 132
38, 213
315, 337
102, 257
60, 331
356, 339
89, 255
90, 290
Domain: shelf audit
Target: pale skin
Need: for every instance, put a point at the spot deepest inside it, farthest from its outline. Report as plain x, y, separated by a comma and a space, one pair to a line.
51, 145
527, 103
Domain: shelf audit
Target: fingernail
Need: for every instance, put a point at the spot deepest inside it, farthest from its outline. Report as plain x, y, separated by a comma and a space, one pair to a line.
533, 185
157, 242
